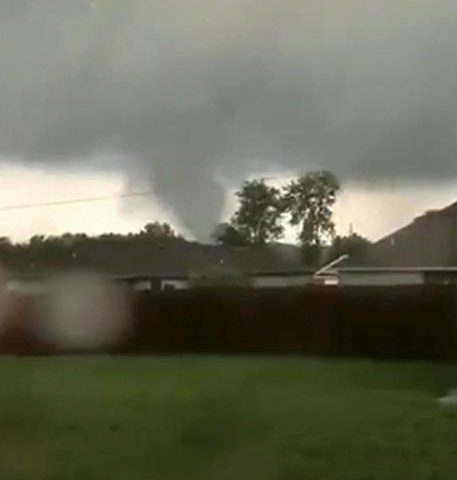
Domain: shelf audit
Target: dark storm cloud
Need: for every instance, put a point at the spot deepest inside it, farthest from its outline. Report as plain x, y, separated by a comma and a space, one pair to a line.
190, 90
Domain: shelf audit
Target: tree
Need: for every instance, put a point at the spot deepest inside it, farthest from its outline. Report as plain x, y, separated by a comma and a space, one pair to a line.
350, 245
309, 200
157, 230
5, 242
258, 218
37, 240
6, 247
226, 234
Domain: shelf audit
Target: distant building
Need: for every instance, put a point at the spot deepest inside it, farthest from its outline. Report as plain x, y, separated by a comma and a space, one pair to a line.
424, 251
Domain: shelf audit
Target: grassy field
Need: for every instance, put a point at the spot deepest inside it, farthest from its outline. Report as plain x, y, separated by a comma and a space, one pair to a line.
224, 418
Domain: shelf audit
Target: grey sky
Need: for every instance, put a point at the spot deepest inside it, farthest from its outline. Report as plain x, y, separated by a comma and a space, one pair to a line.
182, 93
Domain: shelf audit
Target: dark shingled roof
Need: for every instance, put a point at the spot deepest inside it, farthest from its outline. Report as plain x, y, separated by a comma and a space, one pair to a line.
429, 241
177, 259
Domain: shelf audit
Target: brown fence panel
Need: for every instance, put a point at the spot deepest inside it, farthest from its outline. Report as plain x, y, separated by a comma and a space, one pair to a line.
381, 322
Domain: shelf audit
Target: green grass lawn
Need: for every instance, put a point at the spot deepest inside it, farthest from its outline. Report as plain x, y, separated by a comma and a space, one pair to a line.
224, 418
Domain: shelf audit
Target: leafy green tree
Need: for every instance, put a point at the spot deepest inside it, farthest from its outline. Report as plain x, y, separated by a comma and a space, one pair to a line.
226, 234
309, 200
258, 218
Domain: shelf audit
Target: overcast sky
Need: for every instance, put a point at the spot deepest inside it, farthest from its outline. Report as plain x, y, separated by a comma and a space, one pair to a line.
189, 97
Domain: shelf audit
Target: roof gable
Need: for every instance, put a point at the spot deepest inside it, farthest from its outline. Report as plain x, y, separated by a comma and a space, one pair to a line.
429, 240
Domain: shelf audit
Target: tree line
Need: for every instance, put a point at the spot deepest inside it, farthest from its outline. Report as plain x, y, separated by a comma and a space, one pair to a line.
71, 249
153, 231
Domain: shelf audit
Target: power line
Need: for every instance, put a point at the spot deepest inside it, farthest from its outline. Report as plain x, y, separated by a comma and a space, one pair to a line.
72, 201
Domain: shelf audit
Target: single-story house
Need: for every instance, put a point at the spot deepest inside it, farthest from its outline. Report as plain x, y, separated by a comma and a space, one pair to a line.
178, 264
275, 279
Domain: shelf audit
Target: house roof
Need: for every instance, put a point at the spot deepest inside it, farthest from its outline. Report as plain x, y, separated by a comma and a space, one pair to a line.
430, 240
183, 259
176, 259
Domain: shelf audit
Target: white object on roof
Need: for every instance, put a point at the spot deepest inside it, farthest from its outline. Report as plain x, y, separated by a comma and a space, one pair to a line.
326, 268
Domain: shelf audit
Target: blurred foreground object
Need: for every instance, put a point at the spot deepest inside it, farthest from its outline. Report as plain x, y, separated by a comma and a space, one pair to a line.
84, 312
15, 309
